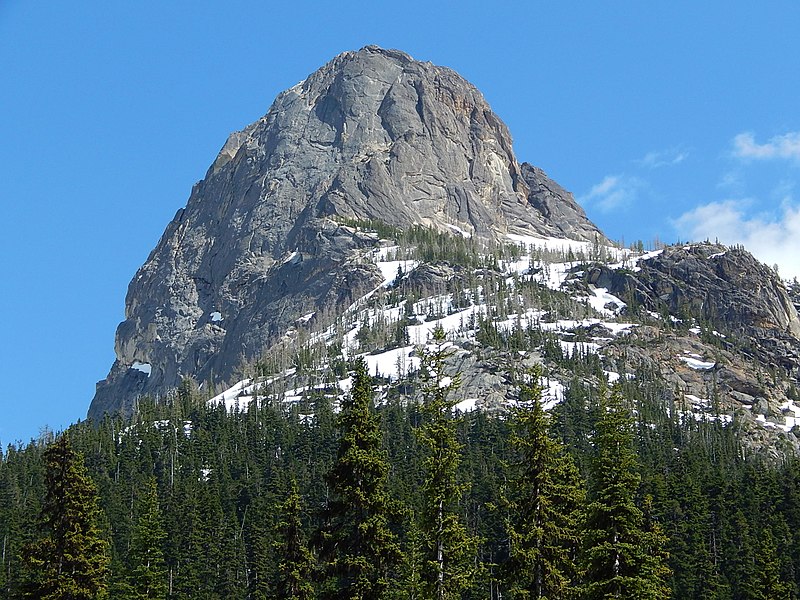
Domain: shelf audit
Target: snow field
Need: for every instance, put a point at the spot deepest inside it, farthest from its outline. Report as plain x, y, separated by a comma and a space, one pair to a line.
694, 362
462, 323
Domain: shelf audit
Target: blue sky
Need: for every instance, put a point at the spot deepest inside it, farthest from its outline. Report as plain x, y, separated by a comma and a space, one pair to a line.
667, 120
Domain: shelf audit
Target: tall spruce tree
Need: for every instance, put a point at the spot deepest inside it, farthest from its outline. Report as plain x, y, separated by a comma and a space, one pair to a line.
259, 527
359, 551
147, 573
620, 557
449, 565
543, 501
768, 584
70, 560
293, 580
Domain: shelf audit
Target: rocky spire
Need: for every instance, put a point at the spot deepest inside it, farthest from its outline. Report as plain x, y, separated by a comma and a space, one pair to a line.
372, 135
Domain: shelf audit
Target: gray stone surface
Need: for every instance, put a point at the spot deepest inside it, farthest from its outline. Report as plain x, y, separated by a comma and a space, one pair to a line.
725, 287
559, 214
372, 135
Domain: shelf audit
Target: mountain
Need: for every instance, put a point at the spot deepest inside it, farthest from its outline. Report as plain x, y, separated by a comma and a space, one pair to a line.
373, 136
379, 199
315, 355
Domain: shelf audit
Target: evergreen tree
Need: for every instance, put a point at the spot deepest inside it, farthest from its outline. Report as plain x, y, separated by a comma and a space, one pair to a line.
258, 531
543, 501
695, 574
449, 551
360, 553
621, 559
296, 562
71, 559
147, 574
768, 583
411, 582
732, 517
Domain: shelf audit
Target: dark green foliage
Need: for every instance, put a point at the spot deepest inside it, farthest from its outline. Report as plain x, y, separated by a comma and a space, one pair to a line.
620, 558
70, 560
293, 580
449, 550
730, 523
360, 553
543, 502
147, 572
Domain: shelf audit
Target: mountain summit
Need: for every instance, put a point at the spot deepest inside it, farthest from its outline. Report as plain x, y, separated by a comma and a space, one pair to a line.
268, 236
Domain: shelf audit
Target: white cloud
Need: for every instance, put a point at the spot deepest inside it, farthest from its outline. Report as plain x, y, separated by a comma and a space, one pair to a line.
786, 146
774, 241
666, 158
614, 192
733, 181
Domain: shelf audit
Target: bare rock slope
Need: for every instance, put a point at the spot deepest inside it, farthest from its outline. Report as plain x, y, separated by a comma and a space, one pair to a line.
372, 136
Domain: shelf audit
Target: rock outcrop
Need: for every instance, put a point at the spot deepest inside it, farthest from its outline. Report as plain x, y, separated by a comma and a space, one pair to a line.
372, 136
724, 287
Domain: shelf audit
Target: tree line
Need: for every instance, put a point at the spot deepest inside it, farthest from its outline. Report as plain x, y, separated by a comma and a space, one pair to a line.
607, 496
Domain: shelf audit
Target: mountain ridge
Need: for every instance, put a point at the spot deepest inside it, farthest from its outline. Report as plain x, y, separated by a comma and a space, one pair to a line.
371, 136
381, 197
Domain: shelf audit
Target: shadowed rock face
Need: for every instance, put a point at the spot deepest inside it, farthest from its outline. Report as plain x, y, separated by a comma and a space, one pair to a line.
725, 287
372, 135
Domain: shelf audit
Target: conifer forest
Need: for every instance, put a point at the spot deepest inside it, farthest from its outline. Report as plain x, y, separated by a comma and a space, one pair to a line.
607, 495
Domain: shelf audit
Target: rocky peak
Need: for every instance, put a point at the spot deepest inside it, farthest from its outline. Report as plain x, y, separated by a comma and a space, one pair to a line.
724, 287
376, 135
372, 136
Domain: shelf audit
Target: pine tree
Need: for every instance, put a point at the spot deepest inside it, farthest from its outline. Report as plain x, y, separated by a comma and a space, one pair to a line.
695, 574
147, 575
621, 559
359, 551
543, 501
449, 564
768, 583
260, 557
296, 562
71, 559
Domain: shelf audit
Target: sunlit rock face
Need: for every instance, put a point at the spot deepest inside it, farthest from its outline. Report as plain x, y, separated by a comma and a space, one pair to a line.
264, 239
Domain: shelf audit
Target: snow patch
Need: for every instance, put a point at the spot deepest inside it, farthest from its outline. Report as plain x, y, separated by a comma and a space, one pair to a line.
467, 405
145, 368
602, 298
383, 253
694, 362
392, 364
458, 321
216, 316
293, 259
549, 243
791, 420
649, 255
552, 393
579, 348
230, 396
465, 234
390, 269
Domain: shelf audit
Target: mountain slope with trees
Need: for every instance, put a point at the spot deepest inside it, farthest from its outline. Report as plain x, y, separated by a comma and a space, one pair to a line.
226, 503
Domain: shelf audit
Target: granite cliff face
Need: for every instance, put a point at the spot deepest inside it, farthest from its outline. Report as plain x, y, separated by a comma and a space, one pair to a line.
263, 240
380, 198
726, 288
